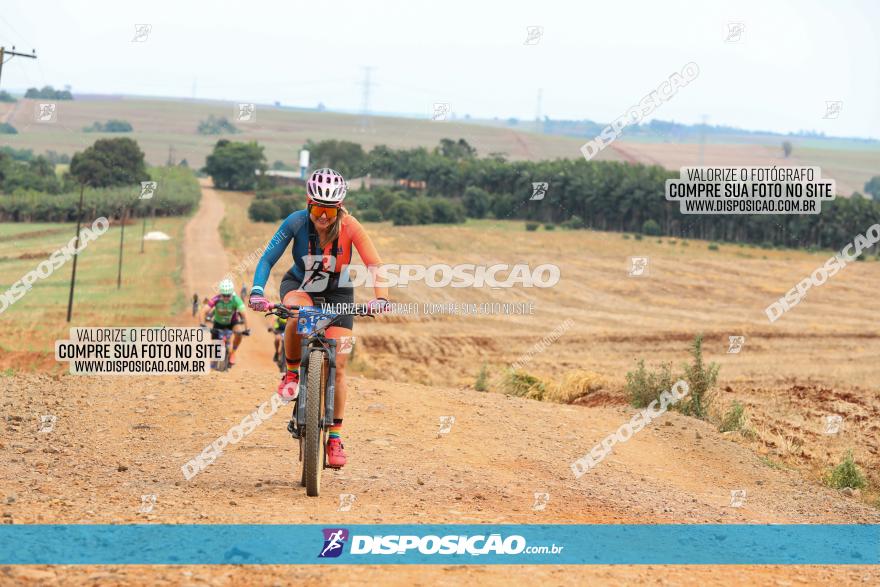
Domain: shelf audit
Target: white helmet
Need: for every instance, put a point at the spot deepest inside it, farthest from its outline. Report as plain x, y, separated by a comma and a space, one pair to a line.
326, 187
226, 287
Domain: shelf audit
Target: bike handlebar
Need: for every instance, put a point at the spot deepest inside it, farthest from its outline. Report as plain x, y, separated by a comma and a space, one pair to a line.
291, 311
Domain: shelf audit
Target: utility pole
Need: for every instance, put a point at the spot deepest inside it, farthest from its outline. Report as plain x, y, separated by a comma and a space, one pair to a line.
121, 242
4, 52
538, 125
365, 102
82, 187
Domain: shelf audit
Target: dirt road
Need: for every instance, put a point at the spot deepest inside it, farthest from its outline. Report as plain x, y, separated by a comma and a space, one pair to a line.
119, 438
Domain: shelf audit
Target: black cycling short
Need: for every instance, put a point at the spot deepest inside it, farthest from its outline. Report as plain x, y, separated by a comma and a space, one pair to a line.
332, 295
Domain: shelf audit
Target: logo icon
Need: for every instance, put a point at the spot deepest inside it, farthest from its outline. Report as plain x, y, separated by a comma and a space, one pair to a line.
541, 501
346, 500
539, 190
148, 188
246, 113
735, 32
736, 344
446, 423
638, 266
832, 109
334, 540
441, 111
832, 424
147, 503
141, 32
737, 498
47, 423
46, 112
346, 345
317, 272
533, 35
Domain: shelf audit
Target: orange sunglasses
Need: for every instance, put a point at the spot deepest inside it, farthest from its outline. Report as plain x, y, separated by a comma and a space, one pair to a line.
316, 211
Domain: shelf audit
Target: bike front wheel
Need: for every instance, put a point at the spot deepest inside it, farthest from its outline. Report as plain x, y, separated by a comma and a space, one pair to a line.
313, 459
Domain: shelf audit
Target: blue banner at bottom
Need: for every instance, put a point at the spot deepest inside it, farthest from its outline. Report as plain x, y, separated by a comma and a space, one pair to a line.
476, 544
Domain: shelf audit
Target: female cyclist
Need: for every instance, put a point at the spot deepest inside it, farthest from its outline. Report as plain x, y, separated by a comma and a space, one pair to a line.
322, 236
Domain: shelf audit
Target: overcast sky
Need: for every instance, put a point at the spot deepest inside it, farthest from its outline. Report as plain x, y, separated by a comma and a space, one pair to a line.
594, 60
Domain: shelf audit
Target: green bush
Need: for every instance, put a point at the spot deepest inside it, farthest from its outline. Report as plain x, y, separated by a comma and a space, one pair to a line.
522, 384
734, 419
424, 210
549, 227
713, 246
651, 228
403, 213
7, 129
263, 211
6, 97
701, 379
216, 125
532, 226
644, 386
112, 125
446, 211
847, 474
177, 193
625, 236
573, 223
370, 215
481, 384
638, 237
476, 201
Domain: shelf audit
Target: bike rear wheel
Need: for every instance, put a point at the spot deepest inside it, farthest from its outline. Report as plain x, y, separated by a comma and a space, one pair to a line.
313, 461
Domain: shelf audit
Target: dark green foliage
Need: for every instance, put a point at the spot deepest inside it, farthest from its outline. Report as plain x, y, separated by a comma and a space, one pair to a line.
111, 125
233, 165
651, 228
216, 125
110, 163
264, 211
403, 213
48, 93
178, 193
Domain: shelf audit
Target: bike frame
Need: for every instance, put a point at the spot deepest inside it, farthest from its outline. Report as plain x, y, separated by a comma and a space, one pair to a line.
316, 342
225, 335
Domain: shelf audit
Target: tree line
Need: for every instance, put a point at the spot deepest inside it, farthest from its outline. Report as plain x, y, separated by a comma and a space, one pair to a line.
600, 195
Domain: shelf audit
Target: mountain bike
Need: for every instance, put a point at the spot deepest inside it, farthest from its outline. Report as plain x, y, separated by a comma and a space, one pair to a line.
313, 408
224, 335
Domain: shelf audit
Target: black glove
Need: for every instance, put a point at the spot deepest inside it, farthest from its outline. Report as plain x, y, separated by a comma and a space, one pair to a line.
247, 332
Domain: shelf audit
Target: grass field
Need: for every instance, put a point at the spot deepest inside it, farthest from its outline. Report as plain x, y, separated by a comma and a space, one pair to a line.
150, 292
818, 359
163, 124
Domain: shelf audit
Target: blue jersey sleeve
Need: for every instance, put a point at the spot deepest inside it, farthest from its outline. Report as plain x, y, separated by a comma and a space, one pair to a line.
273, 252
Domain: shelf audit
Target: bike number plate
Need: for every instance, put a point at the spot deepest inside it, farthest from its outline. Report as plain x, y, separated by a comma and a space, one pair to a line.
309, 322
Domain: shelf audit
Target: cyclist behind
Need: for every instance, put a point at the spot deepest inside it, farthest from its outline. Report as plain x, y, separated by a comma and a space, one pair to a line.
322, 235
227, 313
277, 329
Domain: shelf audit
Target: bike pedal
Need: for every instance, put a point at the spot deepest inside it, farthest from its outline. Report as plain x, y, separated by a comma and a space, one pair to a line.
294, 431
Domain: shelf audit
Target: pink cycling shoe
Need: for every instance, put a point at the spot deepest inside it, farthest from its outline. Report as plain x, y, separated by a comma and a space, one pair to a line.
289, 386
